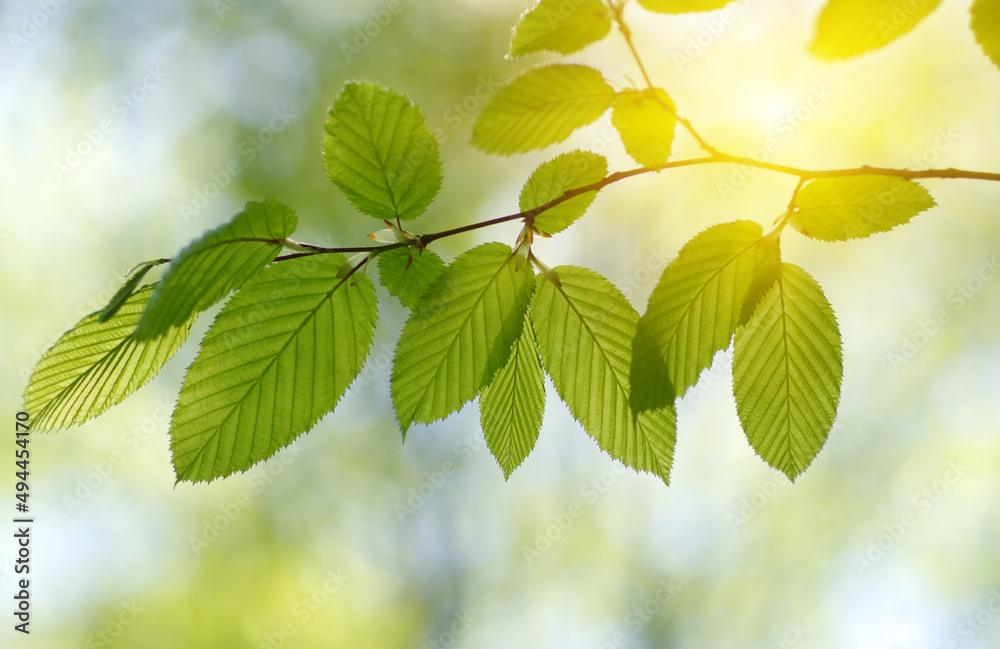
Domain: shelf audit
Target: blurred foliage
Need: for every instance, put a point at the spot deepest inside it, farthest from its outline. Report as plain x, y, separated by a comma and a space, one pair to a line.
428, 532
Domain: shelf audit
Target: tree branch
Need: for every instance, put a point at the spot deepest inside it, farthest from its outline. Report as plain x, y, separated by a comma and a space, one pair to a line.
802, 174
616, 8
617, 12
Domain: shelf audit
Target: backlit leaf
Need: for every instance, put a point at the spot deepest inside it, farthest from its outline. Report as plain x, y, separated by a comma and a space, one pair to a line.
218, 262
127, 289
703, 295
511, 407
541, 107
408, 277
837, 209
380, 153
683, 6
585, 329
459, 334
277, 358
563, 26
986, 27
847, 28
97, 364
553, 178
645, 120
787, 369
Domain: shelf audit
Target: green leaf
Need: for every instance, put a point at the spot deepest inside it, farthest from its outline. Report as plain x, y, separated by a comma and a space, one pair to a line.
459, 334
96, 365
511, 407
380, 153
585, 329
645, 120
541, 107
218, 262
986, 27
787, 369
703, 295
847, 28
837, 209
554, 178
407, 278
683, 6
277, 358
127, 289
560, 26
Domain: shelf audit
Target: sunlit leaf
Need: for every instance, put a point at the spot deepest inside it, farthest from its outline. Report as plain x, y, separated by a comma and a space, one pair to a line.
511, 406
847, 28
218, 262
380, 152
645, 120
683, 6
703, 295
837, 209
553, 178
97, 364
787, 368
986, 27
407, 274
126, 290
459, 334
277, 358
563, 26
585, 329
541, 107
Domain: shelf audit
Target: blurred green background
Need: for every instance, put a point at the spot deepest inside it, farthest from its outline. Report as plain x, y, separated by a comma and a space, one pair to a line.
120, 126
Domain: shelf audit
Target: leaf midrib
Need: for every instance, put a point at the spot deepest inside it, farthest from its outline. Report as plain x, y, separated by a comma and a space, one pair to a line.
121, 315
458, 330
701, 289
382, 161
254, 382
516, 371
787, 381
625, 393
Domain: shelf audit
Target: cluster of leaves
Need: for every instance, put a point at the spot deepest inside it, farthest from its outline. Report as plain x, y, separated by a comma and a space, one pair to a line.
298, 327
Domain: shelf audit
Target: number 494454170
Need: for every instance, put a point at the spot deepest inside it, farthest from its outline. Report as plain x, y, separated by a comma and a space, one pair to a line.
22, 462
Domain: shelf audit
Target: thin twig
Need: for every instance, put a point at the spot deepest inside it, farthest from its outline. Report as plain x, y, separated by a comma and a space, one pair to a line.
617, 12
802, 174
